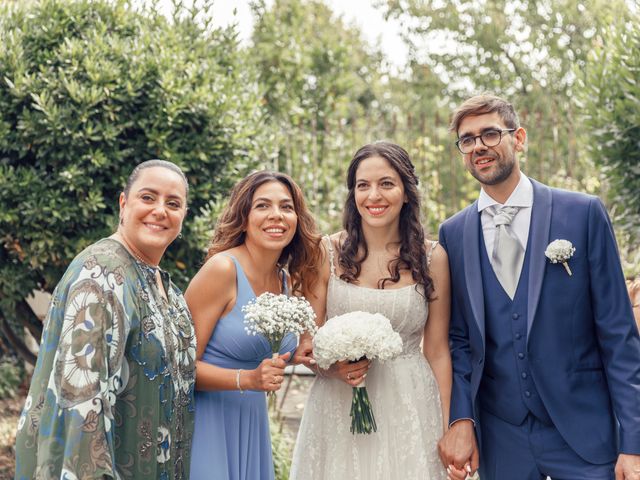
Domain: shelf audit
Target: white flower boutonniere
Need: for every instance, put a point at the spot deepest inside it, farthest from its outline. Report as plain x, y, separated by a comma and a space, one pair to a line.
560, 251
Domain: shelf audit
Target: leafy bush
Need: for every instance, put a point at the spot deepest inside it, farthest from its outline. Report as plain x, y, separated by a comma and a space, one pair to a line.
281, 446
610, 98
89, 89
11, 374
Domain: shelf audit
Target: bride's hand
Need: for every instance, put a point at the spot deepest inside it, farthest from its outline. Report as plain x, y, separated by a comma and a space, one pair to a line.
351, 373
304, 353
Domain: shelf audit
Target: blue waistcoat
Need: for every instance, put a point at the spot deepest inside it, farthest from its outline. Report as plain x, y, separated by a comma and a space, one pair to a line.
507, 389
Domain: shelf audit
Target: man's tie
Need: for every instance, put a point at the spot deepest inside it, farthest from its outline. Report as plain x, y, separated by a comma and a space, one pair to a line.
508, 254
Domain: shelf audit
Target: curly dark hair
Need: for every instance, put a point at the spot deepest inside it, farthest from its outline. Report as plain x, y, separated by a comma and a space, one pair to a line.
301, 257
412, 255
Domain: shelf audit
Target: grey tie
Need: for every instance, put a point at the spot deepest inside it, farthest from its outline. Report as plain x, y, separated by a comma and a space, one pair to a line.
508, 254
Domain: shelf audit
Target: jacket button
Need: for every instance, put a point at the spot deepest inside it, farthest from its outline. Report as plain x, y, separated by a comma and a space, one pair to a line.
523, 374
515, 316
518, 336
527, 393
521, 355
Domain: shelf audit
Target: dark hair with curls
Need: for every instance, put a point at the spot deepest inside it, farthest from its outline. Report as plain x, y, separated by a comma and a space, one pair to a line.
301, 257
412, 255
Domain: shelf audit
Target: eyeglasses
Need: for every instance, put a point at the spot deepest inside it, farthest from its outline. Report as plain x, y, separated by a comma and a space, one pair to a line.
490, 138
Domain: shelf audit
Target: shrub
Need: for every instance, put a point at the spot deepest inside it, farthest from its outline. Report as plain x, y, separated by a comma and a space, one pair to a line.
281, 446
610, 101
89, 89
11, 374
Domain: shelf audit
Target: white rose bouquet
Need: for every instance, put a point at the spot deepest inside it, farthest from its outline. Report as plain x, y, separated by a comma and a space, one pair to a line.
353, 336
273, 316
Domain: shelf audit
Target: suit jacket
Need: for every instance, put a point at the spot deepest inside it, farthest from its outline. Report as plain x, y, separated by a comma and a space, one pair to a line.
582, 341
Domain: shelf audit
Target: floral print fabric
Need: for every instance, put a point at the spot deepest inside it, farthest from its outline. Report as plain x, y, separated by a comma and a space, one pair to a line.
112, 391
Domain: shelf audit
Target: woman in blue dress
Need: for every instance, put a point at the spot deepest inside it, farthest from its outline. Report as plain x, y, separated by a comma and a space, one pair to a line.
264, 232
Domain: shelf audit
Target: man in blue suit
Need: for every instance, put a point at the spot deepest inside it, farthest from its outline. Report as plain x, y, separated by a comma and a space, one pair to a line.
546, 356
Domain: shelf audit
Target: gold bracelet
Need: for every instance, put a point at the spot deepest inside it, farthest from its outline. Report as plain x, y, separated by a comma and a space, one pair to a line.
238, 380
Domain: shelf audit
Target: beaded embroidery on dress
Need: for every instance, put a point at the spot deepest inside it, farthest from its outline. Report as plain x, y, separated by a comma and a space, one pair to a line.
403, 392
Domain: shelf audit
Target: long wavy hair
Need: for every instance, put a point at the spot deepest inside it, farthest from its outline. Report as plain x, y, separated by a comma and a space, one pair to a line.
412, 255
301, 257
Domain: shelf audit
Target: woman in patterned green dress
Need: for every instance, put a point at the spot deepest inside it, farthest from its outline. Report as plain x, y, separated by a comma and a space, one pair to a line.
112, 391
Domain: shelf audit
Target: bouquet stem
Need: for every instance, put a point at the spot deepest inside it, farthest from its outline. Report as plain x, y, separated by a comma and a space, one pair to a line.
271, 396
362, 419
566, 267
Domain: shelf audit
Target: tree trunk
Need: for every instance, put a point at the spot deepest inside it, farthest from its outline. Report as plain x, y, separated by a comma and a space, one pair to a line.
16, 342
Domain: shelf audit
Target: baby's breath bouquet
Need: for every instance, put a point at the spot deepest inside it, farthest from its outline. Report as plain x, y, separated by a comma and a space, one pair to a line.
353, 336
273, 316
560, 251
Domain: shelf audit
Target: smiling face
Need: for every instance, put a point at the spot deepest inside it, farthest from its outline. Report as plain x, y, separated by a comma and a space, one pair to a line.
378, 193
272, 220
492, 165
152, 212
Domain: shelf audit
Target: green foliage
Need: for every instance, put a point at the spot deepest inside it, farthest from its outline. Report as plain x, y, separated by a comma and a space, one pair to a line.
417, 119
89, 89
310, 69
327, 92
319, 80
11, 374
527, 51
505, 46
610, 102
281, 446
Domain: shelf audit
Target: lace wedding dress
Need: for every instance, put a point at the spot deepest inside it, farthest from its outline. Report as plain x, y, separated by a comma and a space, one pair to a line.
403, 393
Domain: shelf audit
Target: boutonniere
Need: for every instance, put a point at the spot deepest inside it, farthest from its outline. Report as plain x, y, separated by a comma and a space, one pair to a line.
560, 251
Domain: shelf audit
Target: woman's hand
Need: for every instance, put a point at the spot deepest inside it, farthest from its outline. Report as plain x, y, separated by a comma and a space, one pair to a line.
269, 375
350, 373
454, 473
304, 353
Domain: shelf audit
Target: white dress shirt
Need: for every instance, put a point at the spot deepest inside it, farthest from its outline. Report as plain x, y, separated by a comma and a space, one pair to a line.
522, 196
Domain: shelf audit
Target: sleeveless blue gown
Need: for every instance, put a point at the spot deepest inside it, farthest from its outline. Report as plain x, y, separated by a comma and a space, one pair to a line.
231, 440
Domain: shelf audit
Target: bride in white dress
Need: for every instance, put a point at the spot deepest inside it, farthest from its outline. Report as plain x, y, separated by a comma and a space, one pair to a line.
381, 263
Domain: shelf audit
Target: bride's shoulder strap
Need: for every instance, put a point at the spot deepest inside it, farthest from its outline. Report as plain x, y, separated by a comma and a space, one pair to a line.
332, 267
434, 243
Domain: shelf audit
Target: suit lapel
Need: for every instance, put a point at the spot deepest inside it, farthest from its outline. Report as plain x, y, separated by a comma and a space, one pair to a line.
538, 240
473, 275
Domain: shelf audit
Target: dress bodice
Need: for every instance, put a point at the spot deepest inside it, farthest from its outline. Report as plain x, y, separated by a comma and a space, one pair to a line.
230, 346
405, 307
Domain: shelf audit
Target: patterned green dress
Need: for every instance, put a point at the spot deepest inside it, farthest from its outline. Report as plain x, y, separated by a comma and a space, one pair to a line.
112, 391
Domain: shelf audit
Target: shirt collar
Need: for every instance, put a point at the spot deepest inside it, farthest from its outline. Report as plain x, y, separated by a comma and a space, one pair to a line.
522, 196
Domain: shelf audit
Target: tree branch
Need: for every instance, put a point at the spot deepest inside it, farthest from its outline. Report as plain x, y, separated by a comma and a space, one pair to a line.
29, 319
16, 342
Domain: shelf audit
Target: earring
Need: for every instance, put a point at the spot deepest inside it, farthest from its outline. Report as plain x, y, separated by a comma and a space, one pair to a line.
180, 234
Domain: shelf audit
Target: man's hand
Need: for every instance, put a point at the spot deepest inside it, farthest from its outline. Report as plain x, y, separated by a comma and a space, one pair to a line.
458, 447
628, 467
